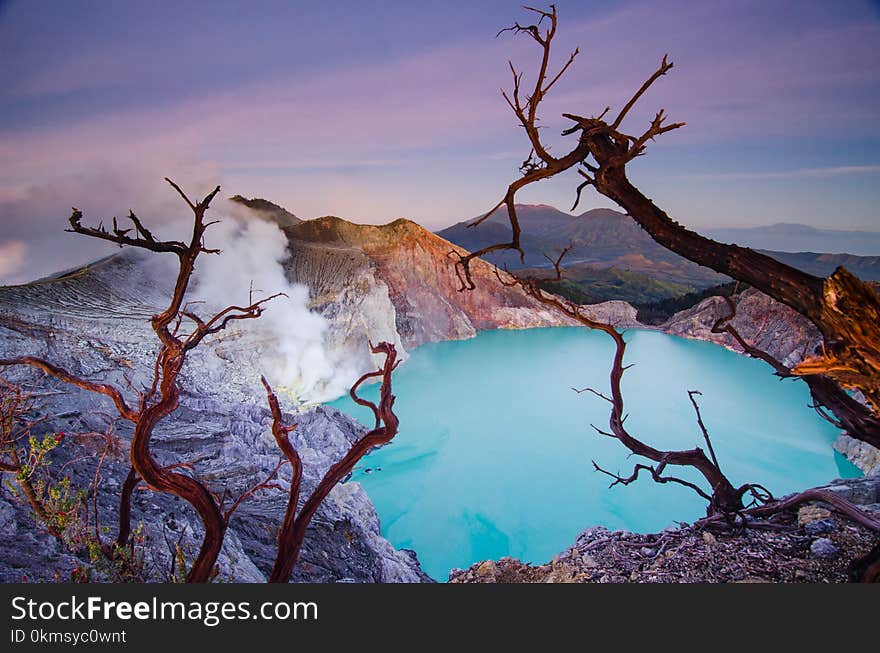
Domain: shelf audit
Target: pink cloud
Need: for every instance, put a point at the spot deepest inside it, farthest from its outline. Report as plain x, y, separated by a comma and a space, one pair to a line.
449, 98
12, 255
324, 120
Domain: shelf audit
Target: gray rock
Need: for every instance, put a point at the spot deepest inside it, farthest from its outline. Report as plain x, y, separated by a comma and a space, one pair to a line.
861, 491
823, 548
763, 322
861, 454
820, 527
590, 534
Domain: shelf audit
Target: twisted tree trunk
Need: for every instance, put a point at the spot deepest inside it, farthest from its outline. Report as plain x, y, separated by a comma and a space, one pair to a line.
845, 309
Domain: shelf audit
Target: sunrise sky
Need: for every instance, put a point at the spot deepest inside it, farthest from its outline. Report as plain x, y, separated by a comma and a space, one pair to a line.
378, 110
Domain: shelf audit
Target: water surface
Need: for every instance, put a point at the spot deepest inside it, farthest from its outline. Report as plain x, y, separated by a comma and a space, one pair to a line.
494, 452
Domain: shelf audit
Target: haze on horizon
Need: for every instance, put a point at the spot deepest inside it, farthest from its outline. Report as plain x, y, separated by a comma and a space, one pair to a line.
377, 112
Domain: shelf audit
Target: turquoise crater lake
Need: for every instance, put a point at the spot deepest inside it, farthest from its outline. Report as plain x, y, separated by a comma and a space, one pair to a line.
494, 452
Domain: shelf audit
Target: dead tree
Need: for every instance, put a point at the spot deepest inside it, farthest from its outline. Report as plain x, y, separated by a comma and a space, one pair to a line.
723, 498
847, 413
844, 309
294, 525
728, 505
179, 330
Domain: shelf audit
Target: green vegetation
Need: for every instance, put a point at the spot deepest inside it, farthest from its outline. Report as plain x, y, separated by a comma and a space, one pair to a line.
660, 311
589, 285
656, 300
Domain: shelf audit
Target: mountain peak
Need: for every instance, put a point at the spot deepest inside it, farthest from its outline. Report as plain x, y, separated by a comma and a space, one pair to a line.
331, 229
267, 209
599, 213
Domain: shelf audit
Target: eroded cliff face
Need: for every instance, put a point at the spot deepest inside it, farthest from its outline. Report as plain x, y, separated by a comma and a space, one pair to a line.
861, 454
781, 332
763, 322
341, 261
346, 290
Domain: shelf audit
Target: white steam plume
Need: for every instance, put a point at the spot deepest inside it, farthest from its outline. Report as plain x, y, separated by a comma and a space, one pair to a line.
295, 357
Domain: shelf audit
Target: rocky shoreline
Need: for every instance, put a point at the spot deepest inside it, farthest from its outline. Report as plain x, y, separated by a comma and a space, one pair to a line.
809, 545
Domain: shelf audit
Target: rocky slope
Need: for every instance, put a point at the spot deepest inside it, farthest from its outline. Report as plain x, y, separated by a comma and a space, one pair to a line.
267, 210
763, 322
861, 454
94, 323
342, 262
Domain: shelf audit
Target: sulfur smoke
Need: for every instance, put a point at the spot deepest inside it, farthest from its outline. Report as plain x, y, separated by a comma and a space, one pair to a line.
294, 356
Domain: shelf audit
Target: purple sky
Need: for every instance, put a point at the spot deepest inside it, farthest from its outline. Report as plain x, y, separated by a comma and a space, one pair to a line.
379, 110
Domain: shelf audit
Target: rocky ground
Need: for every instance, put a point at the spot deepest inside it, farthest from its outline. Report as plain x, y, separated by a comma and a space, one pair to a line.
230, 451
812, 545
94, 323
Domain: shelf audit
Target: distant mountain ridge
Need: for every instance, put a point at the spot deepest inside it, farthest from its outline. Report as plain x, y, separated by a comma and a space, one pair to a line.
821, 265
600, 236
604, 238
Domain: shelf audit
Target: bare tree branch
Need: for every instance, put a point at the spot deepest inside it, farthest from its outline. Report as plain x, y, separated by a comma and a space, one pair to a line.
63, 375
844, 309
656, 474
293, 528
665, 67
705, 432
265, 484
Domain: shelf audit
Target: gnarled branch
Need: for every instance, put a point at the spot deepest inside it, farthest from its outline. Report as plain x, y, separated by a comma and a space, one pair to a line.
847, 413
293, 528
61, 374
844, 309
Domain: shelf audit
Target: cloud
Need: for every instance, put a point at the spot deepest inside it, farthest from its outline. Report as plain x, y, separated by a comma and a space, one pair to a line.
12, 255
831, 171
36, 217
295, 358
324, 120
742, 69
427, 135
